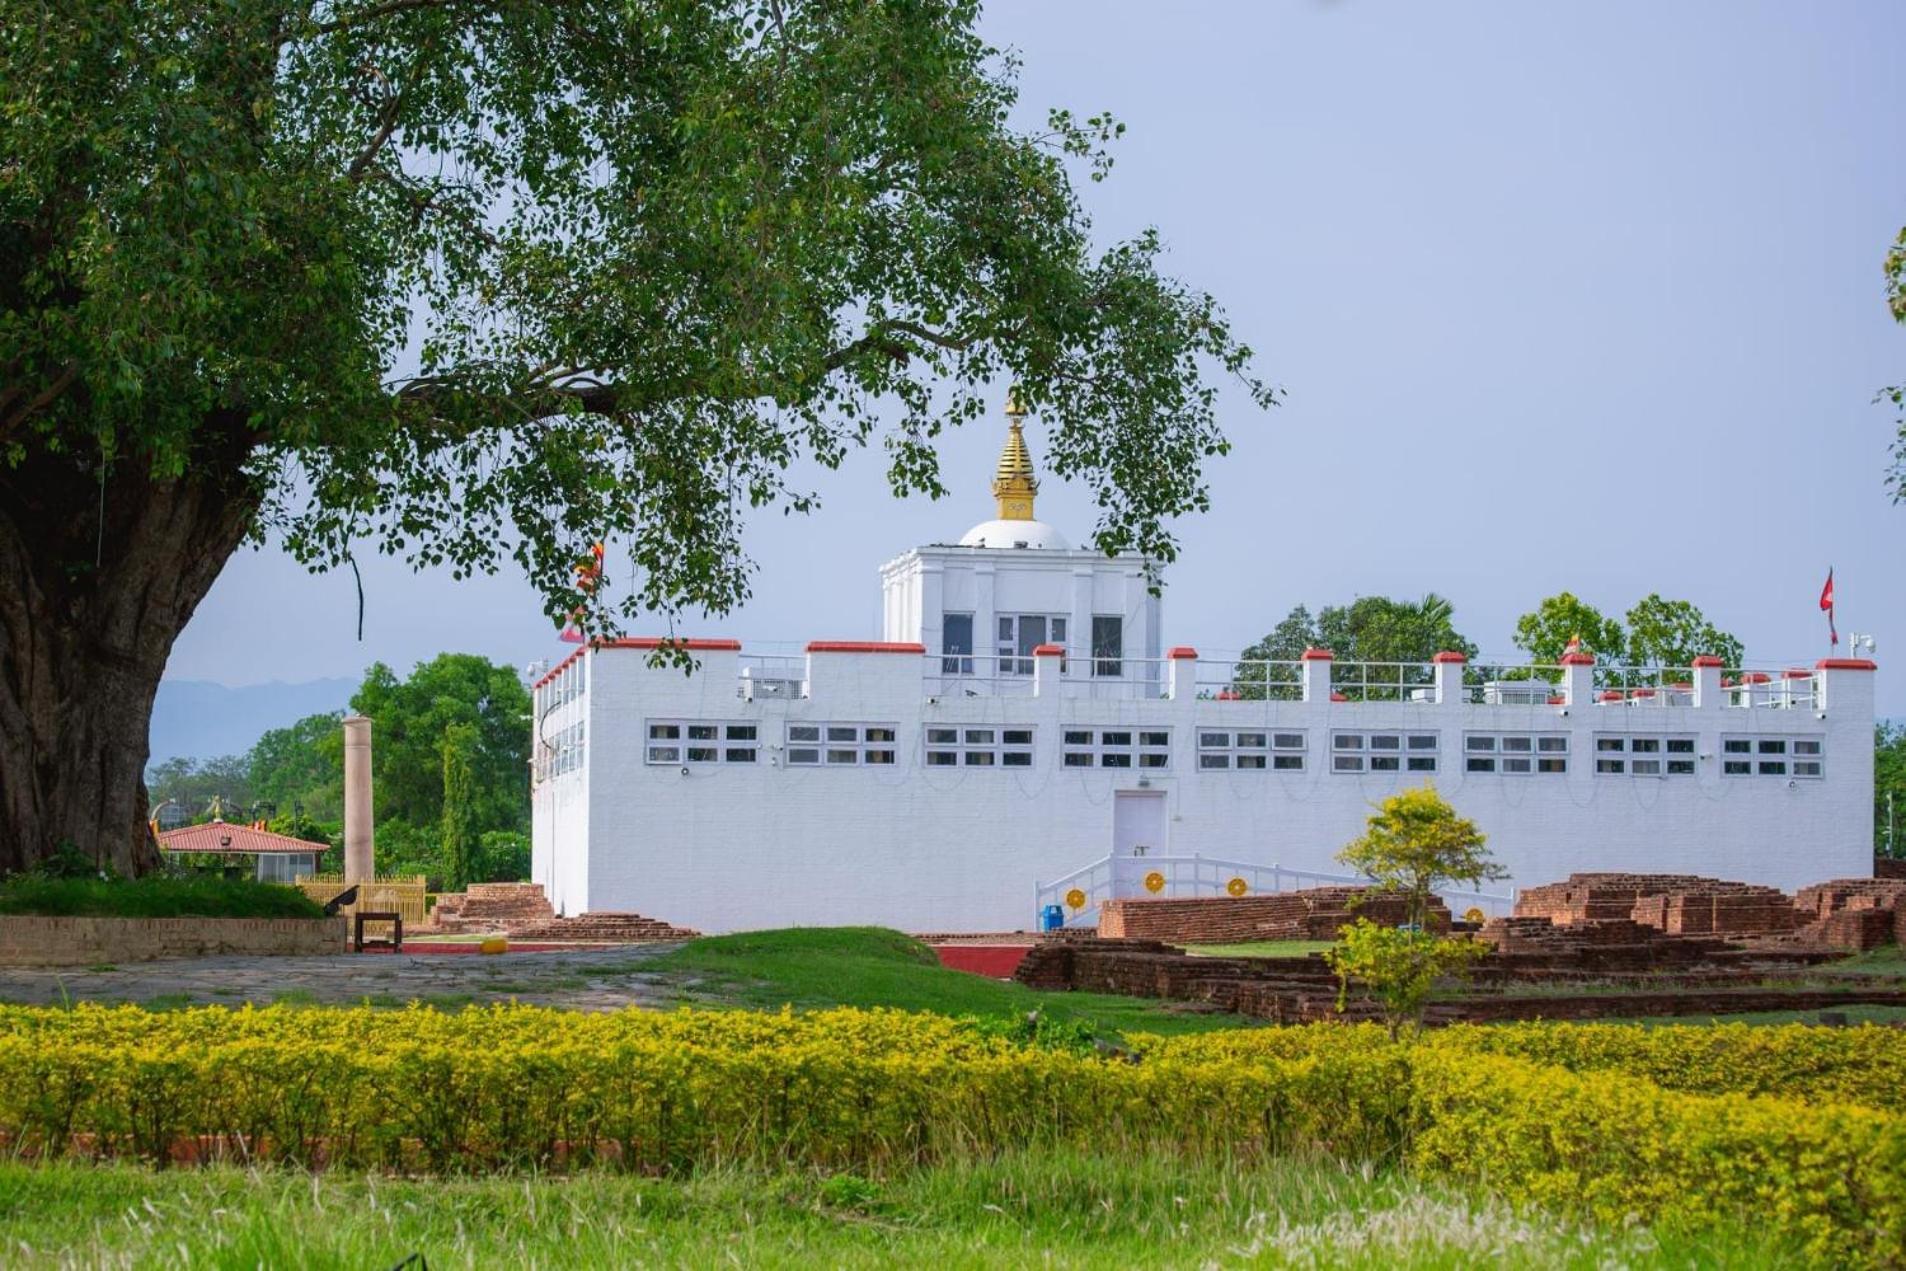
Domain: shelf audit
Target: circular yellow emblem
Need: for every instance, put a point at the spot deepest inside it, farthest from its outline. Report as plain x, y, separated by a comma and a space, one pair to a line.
1236, 887
1475, 915
1075, 899
1154, 882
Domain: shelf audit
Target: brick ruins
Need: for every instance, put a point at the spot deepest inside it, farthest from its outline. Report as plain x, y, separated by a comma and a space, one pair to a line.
1676, 945
1317, 913
522, 912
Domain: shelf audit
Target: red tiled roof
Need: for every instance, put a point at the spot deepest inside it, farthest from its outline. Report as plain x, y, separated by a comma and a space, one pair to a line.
223, 836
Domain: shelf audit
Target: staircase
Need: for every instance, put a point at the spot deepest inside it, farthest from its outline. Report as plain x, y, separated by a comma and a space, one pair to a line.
522, 912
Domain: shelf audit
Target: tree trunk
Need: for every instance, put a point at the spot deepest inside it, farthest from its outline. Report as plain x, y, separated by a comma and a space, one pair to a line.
96, 582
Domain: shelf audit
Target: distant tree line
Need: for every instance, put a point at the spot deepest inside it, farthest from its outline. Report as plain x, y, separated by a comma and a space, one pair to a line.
449, 770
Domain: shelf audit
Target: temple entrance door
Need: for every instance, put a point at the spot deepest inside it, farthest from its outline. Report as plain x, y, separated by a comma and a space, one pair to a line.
1138, 832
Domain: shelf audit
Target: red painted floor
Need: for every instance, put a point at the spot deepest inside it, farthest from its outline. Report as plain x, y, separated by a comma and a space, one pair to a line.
998, 961
468, 947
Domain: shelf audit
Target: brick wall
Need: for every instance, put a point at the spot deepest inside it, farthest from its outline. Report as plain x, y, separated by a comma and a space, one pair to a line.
1316, 913
35, 941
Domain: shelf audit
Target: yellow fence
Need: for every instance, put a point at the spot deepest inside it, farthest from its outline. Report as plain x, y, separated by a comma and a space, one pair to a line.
404, 895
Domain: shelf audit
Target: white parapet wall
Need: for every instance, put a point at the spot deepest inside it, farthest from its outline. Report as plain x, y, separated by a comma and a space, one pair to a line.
870, 786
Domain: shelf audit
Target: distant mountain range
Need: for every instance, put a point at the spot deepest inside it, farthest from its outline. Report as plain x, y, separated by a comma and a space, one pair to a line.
201, 720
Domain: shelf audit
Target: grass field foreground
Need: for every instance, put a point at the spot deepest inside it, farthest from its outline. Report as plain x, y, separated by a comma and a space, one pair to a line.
1023, 1209
814, 968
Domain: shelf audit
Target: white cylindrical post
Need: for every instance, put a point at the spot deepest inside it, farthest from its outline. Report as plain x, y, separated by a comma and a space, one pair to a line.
360, 857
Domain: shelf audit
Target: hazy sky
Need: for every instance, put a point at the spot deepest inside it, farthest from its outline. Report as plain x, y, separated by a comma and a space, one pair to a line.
1578, 297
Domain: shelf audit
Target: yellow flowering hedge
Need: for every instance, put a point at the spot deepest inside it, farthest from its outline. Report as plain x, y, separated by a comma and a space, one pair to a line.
1665, 1125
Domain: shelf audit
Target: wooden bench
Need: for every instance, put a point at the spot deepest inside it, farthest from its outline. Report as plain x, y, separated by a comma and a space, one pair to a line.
396, 940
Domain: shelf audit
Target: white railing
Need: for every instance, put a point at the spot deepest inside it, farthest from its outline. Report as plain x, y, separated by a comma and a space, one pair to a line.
1236, 680
1771, 690
1382, 682
1011, 675
771, 675
1123, 877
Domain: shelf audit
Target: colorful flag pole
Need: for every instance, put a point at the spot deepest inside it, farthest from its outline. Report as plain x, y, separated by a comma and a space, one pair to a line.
1826, 604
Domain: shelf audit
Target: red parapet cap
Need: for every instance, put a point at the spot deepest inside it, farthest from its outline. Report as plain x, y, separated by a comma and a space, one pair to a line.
1182, 652
1796, 673
1578, 659
1319, 655
1846, 664
1756, 677
1611, 695
1708, 659
1448, 658
1556, 699
1338, 697
1049, 651
863, 646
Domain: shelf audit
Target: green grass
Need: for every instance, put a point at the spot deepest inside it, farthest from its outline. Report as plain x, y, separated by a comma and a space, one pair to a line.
1260, 949
157, 896
1025, 1210
813, 967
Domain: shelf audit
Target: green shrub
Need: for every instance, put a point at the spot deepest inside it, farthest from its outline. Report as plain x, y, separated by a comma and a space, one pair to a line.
157, 896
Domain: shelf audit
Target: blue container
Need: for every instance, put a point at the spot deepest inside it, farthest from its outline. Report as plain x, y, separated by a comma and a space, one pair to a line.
1051, 918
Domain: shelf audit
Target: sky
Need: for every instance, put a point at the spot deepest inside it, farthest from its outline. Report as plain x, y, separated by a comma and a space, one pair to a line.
1576, 297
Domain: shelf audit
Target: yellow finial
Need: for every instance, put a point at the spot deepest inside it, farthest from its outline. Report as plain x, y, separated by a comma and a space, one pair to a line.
1013, 483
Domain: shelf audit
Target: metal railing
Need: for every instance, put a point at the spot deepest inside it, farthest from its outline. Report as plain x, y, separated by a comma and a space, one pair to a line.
1238, 680
1124, 877
1011, 675
1771, 690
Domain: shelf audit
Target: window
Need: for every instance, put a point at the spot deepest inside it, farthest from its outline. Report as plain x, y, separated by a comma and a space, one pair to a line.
1383, 752
561, 751
956, 644
1645, 756
1241, 750
694, 741
960, 746
1516, 754
840, 745
1773, 757
1020, 634
1108, 645
1117, 748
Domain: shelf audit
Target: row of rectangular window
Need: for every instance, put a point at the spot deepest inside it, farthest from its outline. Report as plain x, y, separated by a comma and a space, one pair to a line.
564, 751
686, 741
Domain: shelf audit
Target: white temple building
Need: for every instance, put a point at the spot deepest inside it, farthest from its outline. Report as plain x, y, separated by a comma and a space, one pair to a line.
1020, 738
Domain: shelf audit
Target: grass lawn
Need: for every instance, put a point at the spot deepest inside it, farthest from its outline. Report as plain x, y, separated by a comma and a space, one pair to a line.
155, 896
1026, 1210
808, 967
1260, 949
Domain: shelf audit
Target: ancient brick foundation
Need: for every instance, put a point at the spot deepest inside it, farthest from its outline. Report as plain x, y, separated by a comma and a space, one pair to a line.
40, 941
522, 912
1680, 904
1317, 913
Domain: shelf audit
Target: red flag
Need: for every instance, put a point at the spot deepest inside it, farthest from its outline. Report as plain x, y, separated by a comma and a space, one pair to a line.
1826, 603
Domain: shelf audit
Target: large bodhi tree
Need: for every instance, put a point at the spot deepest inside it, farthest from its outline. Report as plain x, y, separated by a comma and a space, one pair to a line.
465, 279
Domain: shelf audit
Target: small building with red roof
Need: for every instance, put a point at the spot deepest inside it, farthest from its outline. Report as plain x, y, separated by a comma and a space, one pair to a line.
279, 858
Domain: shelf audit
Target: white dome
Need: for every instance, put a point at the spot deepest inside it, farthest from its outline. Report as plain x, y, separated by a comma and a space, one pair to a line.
1014, 534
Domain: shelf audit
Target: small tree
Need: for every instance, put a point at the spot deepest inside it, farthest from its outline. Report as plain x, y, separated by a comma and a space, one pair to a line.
459, 812
1413, 844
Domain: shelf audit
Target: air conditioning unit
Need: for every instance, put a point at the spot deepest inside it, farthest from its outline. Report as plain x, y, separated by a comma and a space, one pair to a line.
1517, 692
755, 687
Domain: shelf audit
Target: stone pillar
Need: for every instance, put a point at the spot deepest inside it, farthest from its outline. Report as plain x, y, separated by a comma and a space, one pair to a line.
360, 857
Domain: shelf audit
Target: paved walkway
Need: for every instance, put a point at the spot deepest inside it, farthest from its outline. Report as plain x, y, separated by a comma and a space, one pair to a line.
586, 979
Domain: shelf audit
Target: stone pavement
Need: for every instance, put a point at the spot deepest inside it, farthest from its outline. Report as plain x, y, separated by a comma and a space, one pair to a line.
585, 979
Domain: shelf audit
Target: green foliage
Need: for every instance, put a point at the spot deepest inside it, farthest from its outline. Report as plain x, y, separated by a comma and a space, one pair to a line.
154, 896
411, 719
502, 857
300, 769
650, 257
1896, 301
1398, 967
1889, 789
1369, 629
1544, 634
1659, 633
192, 784
1674, 633
1414, 844
459, 806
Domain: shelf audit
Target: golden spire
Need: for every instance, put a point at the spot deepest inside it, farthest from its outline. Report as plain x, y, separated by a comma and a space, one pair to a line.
1013, 482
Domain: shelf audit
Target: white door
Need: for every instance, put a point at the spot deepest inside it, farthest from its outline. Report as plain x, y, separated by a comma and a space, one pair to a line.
1138, 832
